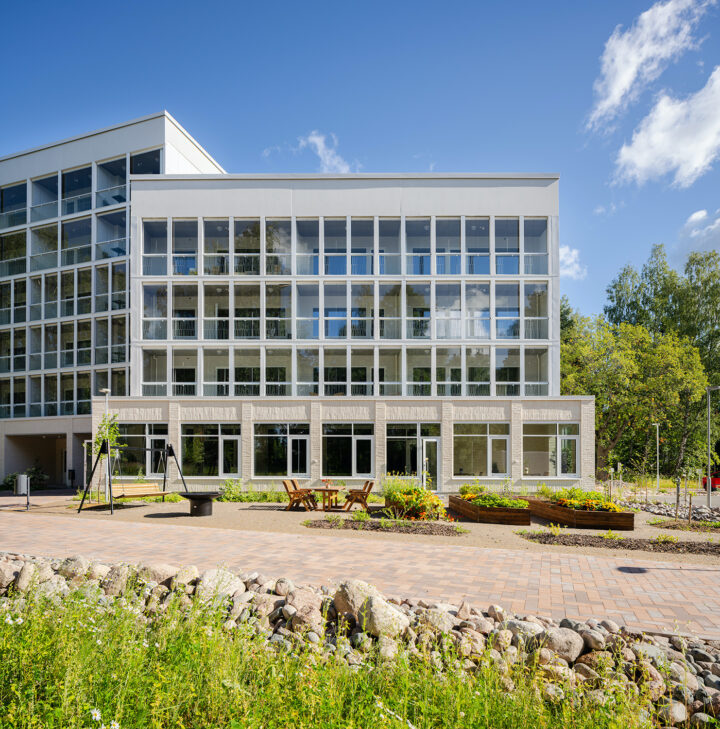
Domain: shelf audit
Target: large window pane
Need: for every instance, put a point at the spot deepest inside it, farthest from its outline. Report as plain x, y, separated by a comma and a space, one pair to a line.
417, 245
335, 247
389, 246
278, 247
362, 234
308, 246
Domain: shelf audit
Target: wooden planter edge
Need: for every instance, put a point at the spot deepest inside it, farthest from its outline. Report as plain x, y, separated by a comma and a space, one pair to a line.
493, 515
577, 518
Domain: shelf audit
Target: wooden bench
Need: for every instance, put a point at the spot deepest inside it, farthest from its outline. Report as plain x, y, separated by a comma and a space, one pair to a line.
137, 490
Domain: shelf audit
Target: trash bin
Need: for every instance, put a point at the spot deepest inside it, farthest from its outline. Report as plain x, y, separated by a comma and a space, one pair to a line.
22, 484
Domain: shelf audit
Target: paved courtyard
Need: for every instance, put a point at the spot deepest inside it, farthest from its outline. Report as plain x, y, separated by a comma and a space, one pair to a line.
644, 594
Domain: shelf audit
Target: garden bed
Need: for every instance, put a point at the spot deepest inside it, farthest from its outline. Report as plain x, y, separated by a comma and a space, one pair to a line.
582, 519
493, 515
687, 526
631, 543
433, 528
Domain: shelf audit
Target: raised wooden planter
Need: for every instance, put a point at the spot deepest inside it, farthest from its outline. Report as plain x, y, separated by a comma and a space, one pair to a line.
623, 521
493, 515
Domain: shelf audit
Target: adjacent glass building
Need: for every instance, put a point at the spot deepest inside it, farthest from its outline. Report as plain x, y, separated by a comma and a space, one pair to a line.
314, 326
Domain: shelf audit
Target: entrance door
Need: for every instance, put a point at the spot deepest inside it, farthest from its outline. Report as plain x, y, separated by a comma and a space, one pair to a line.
298, 455
430, 462
155, 461
230, 456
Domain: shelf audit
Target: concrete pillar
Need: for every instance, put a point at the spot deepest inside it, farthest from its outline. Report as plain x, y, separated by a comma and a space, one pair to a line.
446, 448
246, 439
516, 423
315, 443
380, 442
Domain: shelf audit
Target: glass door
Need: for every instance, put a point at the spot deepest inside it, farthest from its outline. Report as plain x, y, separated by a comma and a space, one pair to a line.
155, 460
298, 456
230, 450
430, 462
363, 456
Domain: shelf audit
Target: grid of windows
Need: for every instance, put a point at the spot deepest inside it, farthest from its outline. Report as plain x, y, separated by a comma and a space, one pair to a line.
347, 450
481, 449
210, 449
550, 449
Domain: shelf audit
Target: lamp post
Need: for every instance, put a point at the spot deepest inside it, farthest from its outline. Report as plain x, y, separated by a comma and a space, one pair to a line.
657, 456
708, 485
106, 391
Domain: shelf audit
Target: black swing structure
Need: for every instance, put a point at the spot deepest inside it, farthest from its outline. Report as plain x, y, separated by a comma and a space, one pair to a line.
166, 453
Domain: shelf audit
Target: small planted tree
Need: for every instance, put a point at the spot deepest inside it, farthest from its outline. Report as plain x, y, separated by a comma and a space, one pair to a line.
109, 430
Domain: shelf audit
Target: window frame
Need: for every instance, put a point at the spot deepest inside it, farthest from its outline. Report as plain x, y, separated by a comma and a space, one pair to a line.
559, 438
489, 437
354, 439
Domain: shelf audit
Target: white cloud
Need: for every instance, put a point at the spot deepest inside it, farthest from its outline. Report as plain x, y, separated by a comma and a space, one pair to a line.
678, 136
610, 209
634, 58
570, 266
696, 217
325, 147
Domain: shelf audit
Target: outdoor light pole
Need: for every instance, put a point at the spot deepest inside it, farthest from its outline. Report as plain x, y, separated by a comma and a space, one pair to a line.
708, 485
657, 456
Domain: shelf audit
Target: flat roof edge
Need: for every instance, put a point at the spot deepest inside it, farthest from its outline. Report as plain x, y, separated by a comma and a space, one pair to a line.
358, 176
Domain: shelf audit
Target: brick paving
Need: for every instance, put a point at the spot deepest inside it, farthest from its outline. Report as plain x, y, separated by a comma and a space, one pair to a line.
642, 594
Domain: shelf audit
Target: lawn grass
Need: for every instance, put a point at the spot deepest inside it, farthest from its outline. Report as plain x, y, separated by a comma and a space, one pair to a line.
58, 663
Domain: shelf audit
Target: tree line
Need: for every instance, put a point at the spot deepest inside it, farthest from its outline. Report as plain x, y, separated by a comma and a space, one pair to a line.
648, 359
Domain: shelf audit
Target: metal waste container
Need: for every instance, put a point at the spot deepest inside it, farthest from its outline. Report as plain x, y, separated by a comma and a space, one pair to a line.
22, 484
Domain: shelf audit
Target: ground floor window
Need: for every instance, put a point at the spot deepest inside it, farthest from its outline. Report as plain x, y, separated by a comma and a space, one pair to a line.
481, 449
142, 451
550, 449
210, 449
405, 445
281, 449
347, 450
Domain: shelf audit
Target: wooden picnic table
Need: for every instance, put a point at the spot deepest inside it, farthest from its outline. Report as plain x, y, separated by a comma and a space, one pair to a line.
329, 496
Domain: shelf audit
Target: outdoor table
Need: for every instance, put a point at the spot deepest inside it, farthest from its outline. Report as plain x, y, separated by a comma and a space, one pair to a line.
200, 502
329, 497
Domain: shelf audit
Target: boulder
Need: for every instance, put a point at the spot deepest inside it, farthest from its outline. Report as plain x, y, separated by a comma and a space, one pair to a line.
54, 587
562, 674
98, 571
7, 574
76, 566
564, 642
283, 586
306, 618
593, 639
378, 617
610, 625
265, 604
25, 577
672, 713
352, 594
522, 629
464, 612
700, 719
598, 660
218, 583
684, 678
497, 613
651, 680
159, 572
115, 583
301, 597
387, 648
438, 619
185, 576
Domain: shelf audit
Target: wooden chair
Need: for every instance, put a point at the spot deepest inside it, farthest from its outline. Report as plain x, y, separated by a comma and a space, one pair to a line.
359, 496
309, 492
297, 497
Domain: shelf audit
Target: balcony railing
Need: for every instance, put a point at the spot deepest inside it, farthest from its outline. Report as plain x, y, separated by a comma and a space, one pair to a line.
13, 267
361, 328
217, 265
185, 265
184, 389
111, 196
278, 389
216, 389
43, 260
77, 254
247, 389
361, 389
217, 328
533, 389
247, 328
77, 204
184, 328
43, 211
154, 329
307, 389
13, 217
111, 248
390, 389
154, 389
418, 328
247, 264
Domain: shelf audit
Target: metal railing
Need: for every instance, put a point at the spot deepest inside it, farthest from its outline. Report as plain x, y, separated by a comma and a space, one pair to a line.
43, 211
111, 248
13, 217
77, 204
111, 196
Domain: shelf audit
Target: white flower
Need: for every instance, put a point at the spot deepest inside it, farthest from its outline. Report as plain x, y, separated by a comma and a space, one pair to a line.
8, 620
95, 713
157, 645
145, 644
114, 725
18, 621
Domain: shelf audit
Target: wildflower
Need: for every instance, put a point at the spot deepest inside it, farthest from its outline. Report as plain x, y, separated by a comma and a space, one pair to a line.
8, 620
145, 644
18, 621
95, 714
114, 725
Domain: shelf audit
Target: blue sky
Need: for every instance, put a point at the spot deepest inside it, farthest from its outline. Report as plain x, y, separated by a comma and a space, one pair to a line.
621, 98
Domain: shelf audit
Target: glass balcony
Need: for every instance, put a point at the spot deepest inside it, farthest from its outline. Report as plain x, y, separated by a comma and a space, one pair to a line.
449, 389
5, 364
67, 358
12, 218
183, 389
50, 360
448, 265
51, 409
67, 407
217, 265
247, 329
44, 260
247, 265
80, 254
19, 314
19, 363
101, 355
308, 328
448, 329
418, 328
35, 410
51, 309
361, 264
112, 249
478, 265
335, 388
84, 304
84, 356
478, 389
536, 388
67, 307
390, 328
216, 389
217, 328
154, 329
185, 265
361, 328
278, 389
83, 407
154, 265
247, 390
361, 389
4, 411
117, 300
76, 204
35, 313
19, 410
307, 389
35, 362
43, 211
278, 328
307, 265
13, 267
154, 389
111, 196
4, 316
389, 264
184, 328
118, 353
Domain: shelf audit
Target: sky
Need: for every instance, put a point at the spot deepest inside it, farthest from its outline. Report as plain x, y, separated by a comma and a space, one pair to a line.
621, 98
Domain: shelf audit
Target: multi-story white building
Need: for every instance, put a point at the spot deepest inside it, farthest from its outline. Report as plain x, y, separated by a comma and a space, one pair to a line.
314, 326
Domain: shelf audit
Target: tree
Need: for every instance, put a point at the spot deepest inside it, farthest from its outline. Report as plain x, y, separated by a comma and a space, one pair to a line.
637, 379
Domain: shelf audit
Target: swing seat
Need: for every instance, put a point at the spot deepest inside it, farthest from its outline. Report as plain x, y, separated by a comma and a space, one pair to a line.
133, 490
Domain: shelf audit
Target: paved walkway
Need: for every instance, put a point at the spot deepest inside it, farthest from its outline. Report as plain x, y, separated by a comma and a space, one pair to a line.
642, 594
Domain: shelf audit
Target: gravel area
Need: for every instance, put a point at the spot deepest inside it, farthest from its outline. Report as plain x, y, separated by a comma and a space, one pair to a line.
403, 527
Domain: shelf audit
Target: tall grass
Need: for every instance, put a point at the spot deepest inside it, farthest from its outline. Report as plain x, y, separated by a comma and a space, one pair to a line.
60, 662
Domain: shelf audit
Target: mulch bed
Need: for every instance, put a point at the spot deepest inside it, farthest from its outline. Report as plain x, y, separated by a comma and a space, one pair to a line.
693, 526
644, 545
434, 528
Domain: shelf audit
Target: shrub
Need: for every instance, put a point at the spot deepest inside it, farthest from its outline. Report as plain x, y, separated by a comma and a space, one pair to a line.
665, 539
233, 490
472, 488
613, 536
408, 499
9, 481
576, 498
490, 501
361, 516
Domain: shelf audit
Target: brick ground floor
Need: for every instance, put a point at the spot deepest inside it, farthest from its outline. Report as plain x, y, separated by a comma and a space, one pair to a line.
643, 594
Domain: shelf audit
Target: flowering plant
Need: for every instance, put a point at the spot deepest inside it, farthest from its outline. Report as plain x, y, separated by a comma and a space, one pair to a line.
410, 500
575, 498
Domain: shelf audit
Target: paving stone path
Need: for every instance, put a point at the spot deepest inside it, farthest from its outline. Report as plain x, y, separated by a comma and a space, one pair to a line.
644, 594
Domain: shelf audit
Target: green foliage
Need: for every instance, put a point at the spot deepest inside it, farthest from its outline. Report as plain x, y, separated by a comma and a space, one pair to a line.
613, 536
108, 429
556, 529
665, 539
576, 498
233, 490
61, 662
472, 488
544, 490
490, 501
408, 499
638, 377
140, 478
335, 520
361, 516
9, 481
